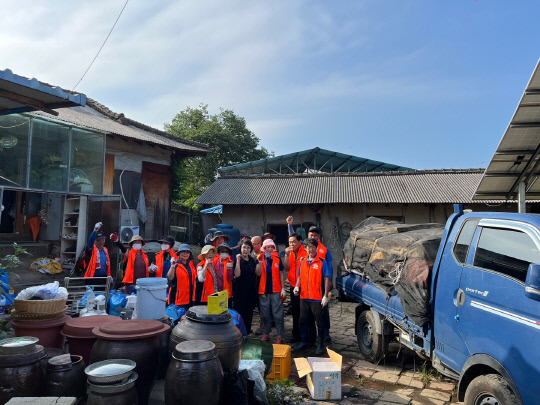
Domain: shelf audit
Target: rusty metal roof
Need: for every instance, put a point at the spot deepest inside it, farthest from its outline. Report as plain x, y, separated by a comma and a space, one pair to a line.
96, 116
420, 186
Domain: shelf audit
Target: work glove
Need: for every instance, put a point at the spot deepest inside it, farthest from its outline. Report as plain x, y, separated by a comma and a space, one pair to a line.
296, 290
283, 294
97, 226
114, 237
173, 261
153, 267
324, 301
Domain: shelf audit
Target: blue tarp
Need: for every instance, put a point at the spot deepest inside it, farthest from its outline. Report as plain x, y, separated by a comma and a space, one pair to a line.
218, 209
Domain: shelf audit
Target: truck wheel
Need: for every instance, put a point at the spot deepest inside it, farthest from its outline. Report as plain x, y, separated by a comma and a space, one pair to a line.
371, 344
490, 389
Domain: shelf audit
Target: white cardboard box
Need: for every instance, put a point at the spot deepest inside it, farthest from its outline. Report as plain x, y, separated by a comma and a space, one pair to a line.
323, 375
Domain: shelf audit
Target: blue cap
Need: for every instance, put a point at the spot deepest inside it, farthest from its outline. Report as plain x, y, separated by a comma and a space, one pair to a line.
183, 247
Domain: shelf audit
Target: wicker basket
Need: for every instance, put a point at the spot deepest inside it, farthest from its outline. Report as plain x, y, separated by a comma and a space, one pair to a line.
31, 316
39, 306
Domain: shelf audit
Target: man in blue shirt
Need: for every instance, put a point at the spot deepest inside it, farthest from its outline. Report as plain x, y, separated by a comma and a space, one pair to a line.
97, 259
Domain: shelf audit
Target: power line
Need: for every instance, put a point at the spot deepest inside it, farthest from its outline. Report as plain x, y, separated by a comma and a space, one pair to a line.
102, 45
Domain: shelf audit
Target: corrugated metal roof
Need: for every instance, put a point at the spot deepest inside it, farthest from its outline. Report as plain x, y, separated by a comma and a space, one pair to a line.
21, 94
421, 186
311, 161
517, 158
96, 116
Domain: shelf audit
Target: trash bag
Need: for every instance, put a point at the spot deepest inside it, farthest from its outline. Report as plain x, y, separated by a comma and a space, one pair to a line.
256, 349
255, 369
117, 299
238, 322
175, 312
235, 387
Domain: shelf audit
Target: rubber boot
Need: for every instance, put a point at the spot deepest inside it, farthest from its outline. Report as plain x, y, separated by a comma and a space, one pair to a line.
320, 346
304, 338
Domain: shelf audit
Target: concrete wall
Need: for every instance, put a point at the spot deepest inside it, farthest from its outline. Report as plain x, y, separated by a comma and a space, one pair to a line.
255, 220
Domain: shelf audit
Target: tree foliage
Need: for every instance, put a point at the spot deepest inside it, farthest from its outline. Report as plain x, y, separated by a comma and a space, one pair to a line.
228, 137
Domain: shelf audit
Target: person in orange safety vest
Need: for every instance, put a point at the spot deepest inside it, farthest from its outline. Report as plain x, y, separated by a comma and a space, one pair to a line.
312, 271
206, 273
164, 258
97, 261
293, 253
135, 261
182, 276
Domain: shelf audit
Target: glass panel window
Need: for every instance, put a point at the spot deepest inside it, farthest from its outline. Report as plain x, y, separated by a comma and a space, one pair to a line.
86, 173
49, 156
506, 251
14, 130
461, 247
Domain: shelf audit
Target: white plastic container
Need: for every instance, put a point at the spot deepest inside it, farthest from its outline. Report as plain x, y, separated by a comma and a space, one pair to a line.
151, 297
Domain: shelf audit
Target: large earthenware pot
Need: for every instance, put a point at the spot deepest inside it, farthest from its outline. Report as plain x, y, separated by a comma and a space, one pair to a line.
48, 332
122, 393
65, 377
79, 333
219, 329
21, 373
135, 340
195, 375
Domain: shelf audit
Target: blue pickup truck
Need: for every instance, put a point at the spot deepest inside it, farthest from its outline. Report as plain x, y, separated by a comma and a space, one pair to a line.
484, 309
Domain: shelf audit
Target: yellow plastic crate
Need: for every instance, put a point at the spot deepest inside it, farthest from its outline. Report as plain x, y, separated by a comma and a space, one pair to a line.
281, 364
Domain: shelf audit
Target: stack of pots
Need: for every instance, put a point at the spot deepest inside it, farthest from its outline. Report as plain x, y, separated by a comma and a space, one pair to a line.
21, 372
43, 319
79, 333
136, 340
219, 329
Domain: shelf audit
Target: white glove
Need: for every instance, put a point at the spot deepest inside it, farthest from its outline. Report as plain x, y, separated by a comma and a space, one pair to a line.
153, 267
296, 290
324, 301
283, 293
97, 226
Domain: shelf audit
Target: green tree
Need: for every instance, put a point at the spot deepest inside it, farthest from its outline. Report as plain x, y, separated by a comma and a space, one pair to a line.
228, 137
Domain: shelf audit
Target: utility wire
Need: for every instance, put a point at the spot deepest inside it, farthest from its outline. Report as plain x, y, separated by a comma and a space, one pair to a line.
102, 45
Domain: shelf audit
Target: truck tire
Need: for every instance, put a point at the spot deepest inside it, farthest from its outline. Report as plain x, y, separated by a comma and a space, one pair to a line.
372, 345
490, 389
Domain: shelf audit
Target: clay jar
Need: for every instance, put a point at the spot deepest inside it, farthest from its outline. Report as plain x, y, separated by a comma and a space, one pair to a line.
65, 377
48, 332
79, 333
135, 340
21, 375
219, 329
195, 375
123, 393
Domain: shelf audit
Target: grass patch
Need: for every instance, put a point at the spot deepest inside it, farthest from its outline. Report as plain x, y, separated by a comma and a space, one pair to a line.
281, 393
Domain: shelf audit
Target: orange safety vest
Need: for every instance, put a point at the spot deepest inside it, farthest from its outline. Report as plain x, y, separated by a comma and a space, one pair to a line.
311, 278
160, 260
128, 277
182, 284
294, 261
276, 282
208, 286
91, 269
321, 251
227, 285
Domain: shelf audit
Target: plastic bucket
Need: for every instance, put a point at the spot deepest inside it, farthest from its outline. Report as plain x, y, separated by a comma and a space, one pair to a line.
151, 297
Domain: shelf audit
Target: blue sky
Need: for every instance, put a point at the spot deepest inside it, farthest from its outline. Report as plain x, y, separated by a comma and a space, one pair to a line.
425, 84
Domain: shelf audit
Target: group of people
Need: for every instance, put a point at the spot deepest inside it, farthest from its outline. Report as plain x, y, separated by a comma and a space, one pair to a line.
255, 277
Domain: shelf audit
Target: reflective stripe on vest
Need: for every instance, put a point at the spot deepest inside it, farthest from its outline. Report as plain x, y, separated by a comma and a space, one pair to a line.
276, 282
91, 268
294, 261
183, 288
160, 259
311, 279
128, 277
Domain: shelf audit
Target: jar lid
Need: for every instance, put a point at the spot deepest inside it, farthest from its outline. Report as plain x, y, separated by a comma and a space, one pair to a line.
63, 362
82, 327
130, 329
195, 351
21, 359
114, 388
18, 345
41, 324
200, 313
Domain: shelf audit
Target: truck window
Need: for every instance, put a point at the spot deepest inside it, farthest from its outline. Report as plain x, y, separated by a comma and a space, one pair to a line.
461, 247
506, 251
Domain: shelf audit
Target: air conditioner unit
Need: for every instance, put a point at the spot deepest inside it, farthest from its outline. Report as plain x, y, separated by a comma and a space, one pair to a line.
128, 232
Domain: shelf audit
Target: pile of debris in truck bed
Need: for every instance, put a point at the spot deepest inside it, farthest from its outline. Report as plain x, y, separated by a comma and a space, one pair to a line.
396, 257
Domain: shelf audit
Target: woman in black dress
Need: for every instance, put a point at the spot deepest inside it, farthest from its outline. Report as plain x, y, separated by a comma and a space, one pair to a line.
245, 283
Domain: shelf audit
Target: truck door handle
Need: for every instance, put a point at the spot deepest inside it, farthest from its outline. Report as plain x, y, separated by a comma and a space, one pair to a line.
460, 299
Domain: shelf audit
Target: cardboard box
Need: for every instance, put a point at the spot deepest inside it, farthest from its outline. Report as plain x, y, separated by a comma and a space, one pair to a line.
218, 302
323, 375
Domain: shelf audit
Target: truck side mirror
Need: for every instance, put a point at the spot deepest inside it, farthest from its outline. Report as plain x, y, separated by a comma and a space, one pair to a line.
532, 282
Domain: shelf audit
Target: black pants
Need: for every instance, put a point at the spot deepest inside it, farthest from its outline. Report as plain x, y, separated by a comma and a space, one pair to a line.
246, 312
309, 309
295, 310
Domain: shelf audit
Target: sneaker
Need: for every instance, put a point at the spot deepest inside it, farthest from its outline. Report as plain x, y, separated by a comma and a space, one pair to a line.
258, 331
279, 341
265, 338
